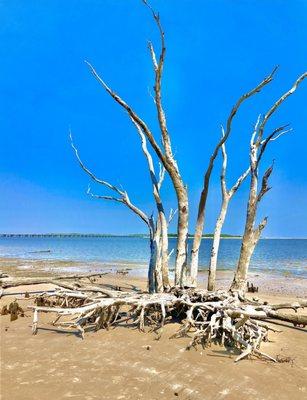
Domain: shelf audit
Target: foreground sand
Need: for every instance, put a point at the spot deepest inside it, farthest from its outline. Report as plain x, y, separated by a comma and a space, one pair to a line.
118, 364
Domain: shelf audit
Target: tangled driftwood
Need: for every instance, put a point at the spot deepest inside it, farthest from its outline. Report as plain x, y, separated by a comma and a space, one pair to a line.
207, 317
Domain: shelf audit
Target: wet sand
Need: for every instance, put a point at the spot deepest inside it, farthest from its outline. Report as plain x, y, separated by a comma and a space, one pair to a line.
117, 364
288, 285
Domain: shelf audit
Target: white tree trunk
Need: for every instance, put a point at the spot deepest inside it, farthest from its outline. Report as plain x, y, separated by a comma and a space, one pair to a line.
251, 235
164, 253
182, 236
258, 146
204, 194
216, 244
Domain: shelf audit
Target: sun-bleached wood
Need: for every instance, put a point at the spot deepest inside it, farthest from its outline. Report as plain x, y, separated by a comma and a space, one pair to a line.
258, 145
161, 231
227, 195
220, 317
165, 155
204, 194
154, 230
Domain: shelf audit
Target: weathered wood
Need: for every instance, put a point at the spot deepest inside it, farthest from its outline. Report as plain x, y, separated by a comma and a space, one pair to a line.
221, 317
166, 157
227, 195
258, 146
159, 245
204, 194
12, 281
60, 282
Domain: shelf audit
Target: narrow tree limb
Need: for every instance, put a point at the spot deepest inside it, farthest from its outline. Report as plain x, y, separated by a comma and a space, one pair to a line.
275, 106
204, 194
131, 113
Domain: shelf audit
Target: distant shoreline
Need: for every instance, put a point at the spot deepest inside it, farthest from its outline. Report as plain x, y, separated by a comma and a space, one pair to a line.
105, 235
132, 235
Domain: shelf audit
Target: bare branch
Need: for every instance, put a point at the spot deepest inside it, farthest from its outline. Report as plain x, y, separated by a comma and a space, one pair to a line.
264, 186
280, 134
90, 173
170, 253
130, 111
158, 68
224, 167
124, 196
234, 111
255, 131
258, 146
172, 214
153, 56
263, 144
161, 175
124, 200
151, 95
156, 184
275, 106
262, 225
236, 186
204, 194
97, 196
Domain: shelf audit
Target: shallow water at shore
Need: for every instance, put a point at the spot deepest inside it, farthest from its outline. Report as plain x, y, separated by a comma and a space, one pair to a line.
285, 256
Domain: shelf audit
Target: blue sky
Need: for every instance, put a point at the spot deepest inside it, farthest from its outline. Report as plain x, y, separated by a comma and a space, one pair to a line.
216, 50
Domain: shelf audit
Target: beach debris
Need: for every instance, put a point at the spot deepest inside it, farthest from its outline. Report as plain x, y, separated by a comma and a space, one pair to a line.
123, 272
40, 251
251, 288
284, 359
219, 317
8, 282
14, 310
4, 310
222, 317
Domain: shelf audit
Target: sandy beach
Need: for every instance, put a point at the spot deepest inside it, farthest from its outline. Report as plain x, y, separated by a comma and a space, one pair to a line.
123, 363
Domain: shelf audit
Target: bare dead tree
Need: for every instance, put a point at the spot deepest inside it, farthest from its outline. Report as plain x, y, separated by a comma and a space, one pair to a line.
258, 146
155, 279
164, 154
161, 231
227, 195
204, 194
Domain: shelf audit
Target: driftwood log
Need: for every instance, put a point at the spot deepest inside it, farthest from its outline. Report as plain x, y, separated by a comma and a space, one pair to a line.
61, 281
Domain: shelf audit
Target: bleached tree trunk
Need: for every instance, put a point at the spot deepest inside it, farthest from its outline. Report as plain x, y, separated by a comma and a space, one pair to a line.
165, 156
216, 244
258, 146
160, 239
251, 235
226, 197
154, 278
199, 228
170, 163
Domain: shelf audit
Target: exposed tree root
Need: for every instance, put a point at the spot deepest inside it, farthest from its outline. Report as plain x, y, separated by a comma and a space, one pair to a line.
218, 317
61, 281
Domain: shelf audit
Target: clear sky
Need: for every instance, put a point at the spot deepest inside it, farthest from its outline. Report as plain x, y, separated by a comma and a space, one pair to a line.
216, 50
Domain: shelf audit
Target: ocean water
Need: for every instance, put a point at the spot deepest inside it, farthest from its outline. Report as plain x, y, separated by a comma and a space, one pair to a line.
271, 255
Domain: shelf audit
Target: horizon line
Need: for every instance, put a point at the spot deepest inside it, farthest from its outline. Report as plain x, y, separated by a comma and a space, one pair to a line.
224, 235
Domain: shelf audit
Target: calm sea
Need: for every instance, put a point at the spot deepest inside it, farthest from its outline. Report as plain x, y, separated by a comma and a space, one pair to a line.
271, 255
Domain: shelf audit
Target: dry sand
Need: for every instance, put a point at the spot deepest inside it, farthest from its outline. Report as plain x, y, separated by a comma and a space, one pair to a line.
125, 364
